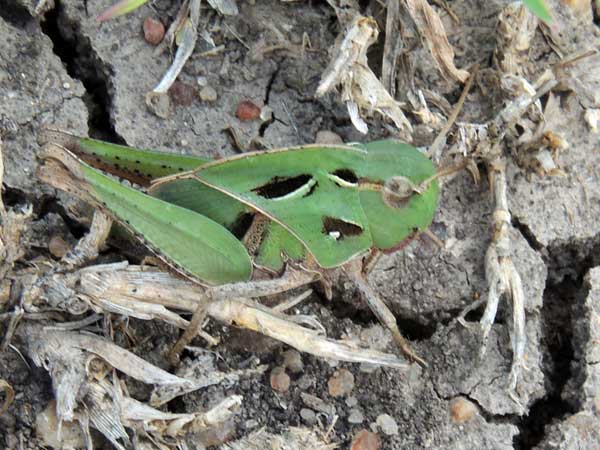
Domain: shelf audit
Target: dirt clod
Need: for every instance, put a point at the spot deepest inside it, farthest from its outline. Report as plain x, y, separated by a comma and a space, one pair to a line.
366, 440
341, 383
280, 381
328, 137
387, 424
292, 360
182, 94
462, 410
247, 111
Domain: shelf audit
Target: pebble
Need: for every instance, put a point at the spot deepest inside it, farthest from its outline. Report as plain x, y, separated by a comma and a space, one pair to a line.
280, 381
154, 31
355, 416
57, 246
66, 85
328, 137
308, 416
202, 81
318, 404
462, 410
341, 383
208, 94
266, 113
366, 440
387, 424
247, 111
292, 360
306, 382
252, 423
351, 401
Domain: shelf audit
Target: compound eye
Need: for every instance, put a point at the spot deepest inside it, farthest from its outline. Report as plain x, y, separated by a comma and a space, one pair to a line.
397, 191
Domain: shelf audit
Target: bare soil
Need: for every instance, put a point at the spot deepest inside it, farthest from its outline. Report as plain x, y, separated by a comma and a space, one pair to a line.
70, 73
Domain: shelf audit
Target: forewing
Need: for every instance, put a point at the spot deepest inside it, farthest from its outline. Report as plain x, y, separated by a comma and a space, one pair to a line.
299, 189
134, 164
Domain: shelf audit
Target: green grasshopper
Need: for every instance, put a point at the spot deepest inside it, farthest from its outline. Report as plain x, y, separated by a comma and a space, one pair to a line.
219, 222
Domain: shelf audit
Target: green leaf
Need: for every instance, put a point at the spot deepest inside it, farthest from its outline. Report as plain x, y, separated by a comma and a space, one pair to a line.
539, 8
118, 9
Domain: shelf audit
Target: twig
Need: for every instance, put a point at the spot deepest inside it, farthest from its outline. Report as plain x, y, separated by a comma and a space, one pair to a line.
502, 276
435, 151
442, 4
2, 210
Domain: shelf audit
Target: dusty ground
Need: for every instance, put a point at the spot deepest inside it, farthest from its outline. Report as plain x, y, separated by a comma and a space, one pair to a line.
86, 79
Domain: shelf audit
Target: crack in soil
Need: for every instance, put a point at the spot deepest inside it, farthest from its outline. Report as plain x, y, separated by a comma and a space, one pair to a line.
15, 14
527, 234
263, 128
83, 63
563, 298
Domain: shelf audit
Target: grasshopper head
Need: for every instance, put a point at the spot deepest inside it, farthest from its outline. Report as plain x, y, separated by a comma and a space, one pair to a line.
402, 201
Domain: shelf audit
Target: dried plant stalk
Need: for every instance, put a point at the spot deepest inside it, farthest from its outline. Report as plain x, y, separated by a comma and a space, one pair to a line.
361, 90
431, 29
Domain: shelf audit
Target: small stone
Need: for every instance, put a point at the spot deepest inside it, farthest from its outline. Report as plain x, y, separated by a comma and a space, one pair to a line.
57, 246
351, 401
252, 423
202, 81
462, 410
66, 85
366, 440
208, 94
308, 416
280, 381
266, 113
328, 137
355, 416
306, 382
317, 404
341, 383
182, 94
247, 111
292, 360
387, 424
154, 31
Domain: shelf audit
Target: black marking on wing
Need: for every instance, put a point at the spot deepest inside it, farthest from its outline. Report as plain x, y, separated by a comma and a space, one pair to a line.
311, 190
347, 175
332, 225
281, 186
241, 224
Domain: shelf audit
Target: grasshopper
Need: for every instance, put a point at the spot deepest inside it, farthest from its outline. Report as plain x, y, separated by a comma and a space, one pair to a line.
224, 222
